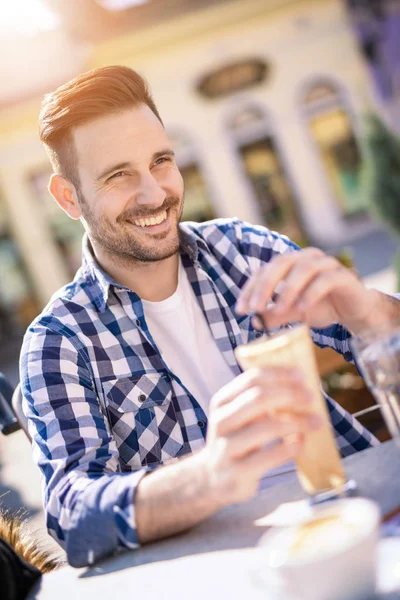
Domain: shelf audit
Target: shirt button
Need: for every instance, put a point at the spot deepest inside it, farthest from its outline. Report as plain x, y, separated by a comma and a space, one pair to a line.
142, 398
232, 338
138, 323
201, 424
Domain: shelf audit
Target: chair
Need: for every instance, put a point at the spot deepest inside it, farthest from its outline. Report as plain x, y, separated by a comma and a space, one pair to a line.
8, 420
12, 417
16, 403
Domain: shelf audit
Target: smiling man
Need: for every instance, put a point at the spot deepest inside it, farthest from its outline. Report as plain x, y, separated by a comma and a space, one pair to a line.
131, 366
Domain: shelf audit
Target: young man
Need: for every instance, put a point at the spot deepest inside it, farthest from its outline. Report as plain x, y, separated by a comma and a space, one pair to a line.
131, 365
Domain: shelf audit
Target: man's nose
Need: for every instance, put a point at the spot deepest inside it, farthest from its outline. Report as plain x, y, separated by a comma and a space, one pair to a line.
149, 192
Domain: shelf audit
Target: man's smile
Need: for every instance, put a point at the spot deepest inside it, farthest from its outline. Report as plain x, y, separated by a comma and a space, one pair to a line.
154, 224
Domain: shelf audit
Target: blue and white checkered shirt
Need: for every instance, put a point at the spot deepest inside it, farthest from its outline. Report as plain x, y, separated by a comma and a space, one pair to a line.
104, 408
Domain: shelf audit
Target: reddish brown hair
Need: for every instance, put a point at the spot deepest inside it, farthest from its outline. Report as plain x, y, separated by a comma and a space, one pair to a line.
89, 96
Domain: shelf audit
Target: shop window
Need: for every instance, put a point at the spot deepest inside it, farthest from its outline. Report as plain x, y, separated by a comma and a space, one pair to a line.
66, 232
333, 133
264, 167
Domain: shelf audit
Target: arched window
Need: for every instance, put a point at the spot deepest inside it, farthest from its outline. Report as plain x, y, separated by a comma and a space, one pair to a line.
332, 129
198, 206
263, 165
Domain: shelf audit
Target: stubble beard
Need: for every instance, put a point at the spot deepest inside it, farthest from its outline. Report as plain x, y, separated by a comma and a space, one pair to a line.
120, 242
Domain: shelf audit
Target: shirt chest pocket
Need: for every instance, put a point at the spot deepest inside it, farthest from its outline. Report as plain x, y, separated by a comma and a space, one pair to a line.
143, 419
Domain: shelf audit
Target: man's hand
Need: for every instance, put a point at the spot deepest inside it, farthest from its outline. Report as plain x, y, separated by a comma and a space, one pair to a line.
257, 422
316, 289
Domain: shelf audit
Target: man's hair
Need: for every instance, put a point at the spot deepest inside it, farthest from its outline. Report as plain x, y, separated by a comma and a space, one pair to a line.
89, 96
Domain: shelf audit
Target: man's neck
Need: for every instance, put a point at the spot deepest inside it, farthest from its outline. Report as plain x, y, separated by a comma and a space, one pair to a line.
152, 281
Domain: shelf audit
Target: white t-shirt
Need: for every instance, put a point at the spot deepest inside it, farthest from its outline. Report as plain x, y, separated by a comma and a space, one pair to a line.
181, 332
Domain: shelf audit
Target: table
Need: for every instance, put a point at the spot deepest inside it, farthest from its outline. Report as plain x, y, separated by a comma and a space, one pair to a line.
213, 559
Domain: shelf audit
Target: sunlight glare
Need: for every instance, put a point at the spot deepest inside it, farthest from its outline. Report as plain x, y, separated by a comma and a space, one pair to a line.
27, 17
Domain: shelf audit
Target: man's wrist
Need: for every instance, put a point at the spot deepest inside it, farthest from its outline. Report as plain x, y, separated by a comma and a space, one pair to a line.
384, 309
213, 490
176, 497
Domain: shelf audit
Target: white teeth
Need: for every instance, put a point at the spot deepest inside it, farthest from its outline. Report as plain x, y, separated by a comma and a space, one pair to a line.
152, 220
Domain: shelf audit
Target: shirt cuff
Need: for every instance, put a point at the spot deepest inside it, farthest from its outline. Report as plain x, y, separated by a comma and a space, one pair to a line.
103, 518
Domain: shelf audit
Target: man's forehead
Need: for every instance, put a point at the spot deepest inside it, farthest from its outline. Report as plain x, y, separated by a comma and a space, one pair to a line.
128, 121
136, 130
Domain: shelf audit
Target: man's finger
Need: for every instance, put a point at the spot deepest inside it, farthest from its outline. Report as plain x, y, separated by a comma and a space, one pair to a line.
254, 377
299, 278
264, 431
258, 463
322, 286
277, 273
260, 290
257, 402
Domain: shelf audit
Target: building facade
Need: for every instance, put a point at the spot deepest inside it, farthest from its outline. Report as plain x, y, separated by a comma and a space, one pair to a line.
265, 105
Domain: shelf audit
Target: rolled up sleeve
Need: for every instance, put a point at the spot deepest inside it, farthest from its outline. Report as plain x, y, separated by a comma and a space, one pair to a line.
89, 502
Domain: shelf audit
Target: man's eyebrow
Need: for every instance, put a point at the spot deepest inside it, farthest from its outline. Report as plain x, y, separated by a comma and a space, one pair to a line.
126, 165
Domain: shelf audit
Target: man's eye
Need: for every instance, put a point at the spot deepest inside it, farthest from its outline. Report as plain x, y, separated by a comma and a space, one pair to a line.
115, 175
162, 159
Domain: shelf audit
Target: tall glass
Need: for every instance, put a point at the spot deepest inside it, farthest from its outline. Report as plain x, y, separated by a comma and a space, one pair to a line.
377, 355
319, 466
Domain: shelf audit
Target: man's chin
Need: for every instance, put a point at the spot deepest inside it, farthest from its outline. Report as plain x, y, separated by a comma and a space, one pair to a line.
158, 245
157, 248
160, 252
130, 247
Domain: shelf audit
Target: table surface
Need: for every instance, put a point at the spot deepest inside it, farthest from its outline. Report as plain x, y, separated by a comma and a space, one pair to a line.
216, 558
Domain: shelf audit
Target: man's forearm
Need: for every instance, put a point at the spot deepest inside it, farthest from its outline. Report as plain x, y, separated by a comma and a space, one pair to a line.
174, 498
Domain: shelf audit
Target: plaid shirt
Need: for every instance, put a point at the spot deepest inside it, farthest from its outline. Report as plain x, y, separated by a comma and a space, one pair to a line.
104, 408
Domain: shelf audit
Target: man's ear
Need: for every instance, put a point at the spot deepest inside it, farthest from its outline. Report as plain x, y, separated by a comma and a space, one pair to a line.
64, 193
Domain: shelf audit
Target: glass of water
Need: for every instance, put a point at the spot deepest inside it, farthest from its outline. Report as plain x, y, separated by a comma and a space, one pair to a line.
377, 355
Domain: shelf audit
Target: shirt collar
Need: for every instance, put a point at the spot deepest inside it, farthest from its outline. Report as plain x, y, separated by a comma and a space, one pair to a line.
99, 282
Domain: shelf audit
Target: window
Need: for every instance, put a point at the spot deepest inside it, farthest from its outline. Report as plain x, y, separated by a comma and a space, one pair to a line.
67, 233
198, 206
332, 130
264, 168
18, 306
244, 118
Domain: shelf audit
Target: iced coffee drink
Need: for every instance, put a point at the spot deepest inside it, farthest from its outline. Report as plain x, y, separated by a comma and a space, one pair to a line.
319, 465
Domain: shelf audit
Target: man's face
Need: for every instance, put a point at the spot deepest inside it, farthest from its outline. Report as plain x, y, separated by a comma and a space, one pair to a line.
131, 191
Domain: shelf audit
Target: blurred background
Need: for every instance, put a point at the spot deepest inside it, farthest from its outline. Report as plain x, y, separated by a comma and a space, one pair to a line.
282, 112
